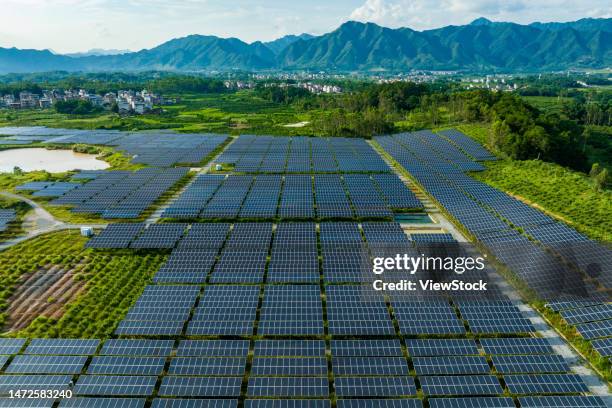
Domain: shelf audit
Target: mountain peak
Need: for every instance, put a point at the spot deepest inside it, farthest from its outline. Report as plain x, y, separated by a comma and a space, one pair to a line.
481, 21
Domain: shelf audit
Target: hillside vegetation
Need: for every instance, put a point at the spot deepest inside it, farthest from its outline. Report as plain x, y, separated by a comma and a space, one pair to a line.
113, 282
566, 194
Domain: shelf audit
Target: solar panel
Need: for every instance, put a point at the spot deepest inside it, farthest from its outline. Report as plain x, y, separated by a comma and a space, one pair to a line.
441, 347
209, 366
103, 403
369, 366
34, 382
562, 402
379, 403
288, 387
103, 385
122, 365
213, 348
315, 403
46, 365
289, 366
530, 364
380, 348
26, 403
472, 402
450, 365
62, 347
289, 348
545, 384
603, 347
374, 386
200, 386
189, 403
516, 346
461, 385
11, 346
137, 347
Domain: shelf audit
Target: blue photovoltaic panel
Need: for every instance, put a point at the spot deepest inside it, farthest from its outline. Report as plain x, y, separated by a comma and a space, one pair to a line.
379, 403
472, 402
213, 348
454, 365
102, 385
603, 347
374, 386
208, 366
288, 387
310, 403
34, 364
289, 366
289, 348
124, 365
62, 347
137, 347
26, 403
103, 403
441, 347
34, 382
545, 384
379, 348
11, 346
200, 386
530, 364
562, 402
461, 385
199, 403
516, 346
355, 366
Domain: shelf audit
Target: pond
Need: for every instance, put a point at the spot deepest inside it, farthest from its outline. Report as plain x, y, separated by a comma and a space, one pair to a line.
53, 161
413, 218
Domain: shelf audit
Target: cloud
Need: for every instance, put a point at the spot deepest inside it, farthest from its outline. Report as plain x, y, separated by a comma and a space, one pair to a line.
426, 14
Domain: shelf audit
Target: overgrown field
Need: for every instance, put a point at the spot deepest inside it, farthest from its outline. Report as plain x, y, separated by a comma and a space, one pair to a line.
566, 194
113, 282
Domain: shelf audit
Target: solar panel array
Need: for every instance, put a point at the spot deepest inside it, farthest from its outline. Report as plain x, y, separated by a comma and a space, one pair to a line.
160, 149
269, 154
119, 194
269, 315
266, 196
494, 219
48, 189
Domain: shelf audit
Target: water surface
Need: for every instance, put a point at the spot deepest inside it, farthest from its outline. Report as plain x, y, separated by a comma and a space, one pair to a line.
53, 161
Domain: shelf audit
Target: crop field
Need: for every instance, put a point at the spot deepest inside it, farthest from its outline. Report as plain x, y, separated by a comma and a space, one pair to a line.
251, 286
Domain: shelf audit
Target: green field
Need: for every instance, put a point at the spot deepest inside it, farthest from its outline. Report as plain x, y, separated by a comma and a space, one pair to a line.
110, 284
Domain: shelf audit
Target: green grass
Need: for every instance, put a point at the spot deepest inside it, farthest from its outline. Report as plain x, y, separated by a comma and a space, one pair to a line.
551, 104
113, 283
563, 193
234, 113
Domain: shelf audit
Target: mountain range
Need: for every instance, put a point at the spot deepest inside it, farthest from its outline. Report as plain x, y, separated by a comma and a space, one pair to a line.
482, 45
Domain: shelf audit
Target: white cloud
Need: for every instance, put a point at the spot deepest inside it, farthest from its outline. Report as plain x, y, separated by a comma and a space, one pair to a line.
426, 14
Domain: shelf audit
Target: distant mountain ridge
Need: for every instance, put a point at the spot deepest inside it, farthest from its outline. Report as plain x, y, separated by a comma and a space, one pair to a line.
482, 45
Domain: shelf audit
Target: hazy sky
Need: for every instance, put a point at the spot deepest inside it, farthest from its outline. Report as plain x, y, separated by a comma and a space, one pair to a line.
79, 25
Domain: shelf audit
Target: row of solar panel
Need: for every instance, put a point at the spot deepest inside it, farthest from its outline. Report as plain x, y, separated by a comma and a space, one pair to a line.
295, 387
481, 209
268, 154
520, 346
120, 194
270, 196
465, 402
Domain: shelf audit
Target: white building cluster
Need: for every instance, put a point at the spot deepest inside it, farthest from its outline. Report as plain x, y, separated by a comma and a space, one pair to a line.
128, 102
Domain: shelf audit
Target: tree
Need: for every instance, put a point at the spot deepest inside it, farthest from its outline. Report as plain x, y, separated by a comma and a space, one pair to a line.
17, 171
599, 176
